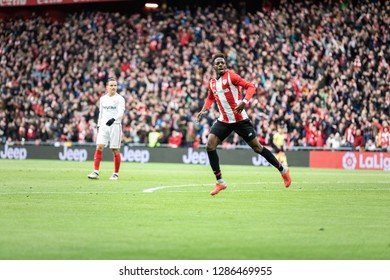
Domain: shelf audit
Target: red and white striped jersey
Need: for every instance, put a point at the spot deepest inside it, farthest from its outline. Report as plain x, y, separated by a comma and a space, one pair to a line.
226, 91
385, 139
349, 135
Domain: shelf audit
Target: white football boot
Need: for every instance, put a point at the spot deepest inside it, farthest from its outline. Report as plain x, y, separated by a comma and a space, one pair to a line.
93, 175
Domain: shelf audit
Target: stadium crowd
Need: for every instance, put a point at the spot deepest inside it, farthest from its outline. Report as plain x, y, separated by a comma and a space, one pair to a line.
325, 67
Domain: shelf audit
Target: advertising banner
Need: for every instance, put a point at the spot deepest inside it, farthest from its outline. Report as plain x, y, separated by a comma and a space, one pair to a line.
23, 3
142, 154
350, 160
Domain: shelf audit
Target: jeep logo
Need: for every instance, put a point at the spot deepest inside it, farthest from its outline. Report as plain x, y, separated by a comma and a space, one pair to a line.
13, 153
73, 154
259, 161
130, 155
194, 157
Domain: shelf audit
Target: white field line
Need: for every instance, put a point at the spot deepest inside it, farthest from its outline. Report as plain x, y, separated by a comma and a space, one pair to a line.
200, 185
234, 188
293, 187
90, 192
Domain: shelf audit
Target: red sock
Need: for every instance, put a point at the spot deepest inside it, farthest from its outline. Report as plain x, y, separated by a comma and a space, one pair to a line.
117, 162
97, 159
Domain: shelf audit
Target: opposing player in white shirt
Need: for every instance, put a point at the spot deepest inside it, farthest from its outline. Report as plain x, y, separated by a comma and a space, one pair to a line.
111, 110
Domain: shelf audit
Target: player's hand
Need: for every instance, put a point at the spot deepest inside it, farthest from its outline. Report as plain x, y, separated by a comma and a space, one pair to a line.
110, 122
199, 115
240, 107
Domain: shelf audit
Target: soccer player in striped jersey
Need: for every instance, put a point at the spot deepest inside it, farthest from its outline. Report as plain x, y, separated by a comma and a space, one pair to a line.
111, 110
225, 90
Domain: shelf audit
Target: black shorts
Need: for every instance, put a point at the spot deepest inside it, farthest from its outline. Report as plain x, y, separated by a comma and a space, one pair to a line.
243, 128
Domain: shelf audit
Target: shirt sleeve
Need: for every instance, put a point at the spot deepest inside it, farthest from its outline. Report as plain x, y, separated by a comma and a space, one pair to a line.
210, 99
121, 109
238, 81
100, 113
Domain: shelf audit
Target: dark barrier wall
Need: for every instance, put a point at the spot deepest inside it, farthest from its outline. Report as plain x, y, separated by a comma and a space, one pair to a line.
145, 154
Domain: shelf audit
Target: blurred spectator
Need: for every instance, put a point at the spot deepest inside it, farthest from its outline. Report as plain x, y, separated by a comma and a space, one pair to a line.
175, 139
334, 141
191, 134
153, 138
385, 139
350, 135
279, 139
370, 146
358, 142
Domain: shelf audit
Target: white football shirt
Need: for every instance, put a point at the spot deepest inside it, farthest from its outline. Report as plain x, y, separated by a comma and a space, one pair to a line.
111, 107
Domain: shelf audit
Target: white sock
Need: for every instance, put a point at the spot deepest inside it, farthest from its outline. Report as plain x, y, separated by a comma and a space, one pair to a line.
221, 181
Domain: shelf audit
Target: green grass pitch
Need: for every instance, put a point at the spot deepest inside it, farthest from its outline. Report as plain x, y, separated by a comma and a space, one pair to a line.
50, 210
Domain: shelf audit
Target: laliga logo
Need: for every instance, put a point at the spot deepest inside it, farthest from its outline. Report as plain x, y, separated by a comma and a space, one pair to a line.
349, 161
378, 161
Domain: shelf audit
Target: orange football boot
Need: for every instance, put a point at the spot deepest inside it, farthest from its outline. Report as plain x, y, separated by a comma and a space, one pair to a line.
286, 178
218, 187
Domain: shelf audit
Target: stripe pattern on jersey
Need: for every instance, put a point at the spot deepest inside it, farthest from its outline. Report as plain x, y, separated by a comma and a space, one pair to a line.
227, 96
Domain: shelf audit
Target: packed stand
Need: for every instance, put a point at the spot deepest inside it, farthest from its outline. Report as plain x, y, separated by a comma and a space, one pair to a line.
325, 68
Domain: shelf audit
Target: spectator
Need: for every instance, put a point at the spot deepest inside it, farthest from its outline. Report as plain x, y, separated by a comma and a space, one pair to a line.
358, 143
370, 146
349, 134
175, 139
153, 138
334, 141
385, 139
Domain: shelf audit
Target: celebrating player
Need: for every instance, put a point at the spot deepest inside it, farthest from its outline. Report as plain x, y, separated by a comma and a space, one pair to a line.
225, 89
111, 110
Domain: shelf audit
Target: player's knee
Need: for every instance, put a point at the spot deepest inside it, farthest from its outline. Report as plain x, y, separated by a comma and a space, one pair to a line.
212, 143
210, 147
257, 148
